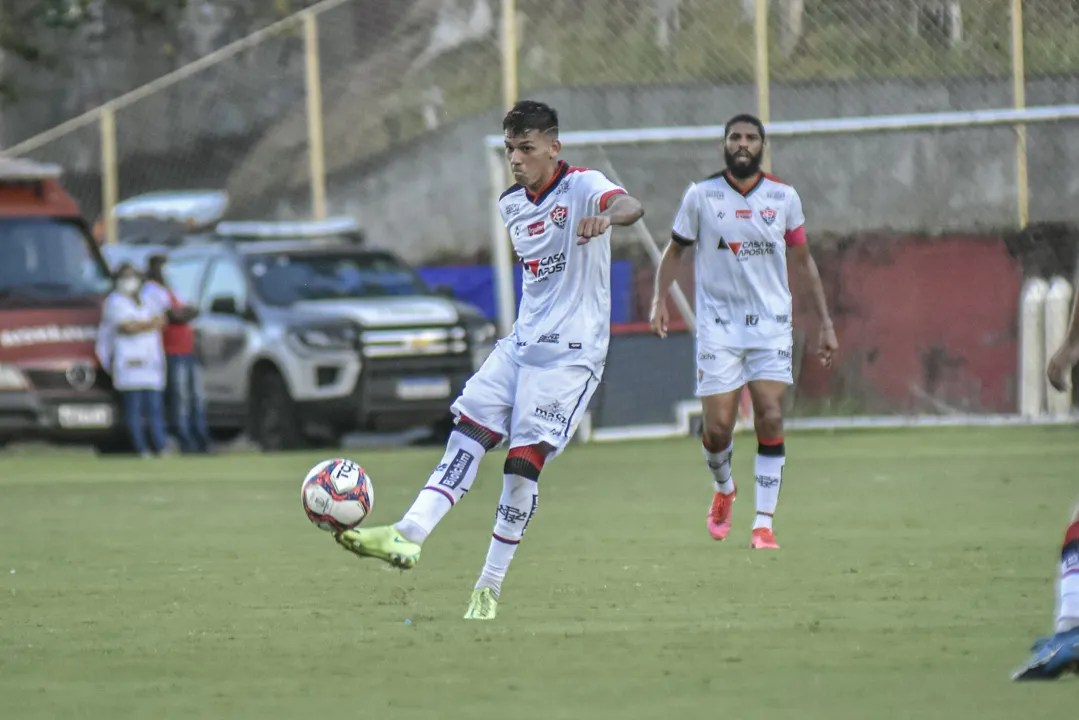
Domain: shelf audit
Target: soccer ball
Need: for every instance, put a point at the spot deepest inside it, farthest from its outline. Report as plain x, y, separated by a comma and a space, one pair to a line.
337, 494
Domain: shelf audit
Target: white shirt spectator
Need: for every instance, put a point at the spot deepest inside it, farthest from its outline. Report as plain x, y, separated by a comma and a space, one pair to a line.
136, 362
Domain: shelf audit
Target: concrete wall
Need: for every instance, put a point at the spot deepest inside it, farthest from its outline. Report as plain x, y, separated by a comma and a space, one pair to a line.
432, 197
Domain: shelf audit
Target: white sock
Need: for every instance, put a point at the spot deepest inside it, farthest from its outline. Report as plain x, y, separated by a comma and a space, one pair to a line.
520, 498
447, 485
720, 465
768, 468
1068, 607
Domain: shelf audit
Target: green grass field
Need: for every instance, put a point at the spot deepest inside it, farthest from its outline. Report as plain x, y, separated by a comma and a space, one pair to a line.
916, 569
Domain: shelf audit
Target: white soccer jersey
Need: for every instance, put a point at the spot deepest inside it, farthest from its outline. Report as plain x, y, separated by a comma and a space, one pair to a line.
565, 313
743, 299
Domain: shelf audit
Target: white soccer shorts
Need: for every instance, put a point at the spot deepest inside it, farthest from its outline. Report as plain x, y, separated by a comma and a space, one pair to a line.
529, 405
722, 370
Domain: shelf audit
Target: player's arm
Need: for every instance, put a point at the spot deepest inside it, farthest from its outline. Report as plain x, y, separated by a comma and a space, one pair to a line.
1067, 355
616, 209
806, 268
623, 209
683, 235
667, 271
801, 260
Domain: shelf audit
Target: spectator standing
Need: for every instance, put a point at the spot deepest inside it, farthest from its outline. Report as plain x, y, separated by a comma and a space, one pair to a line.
185, 394
129, 347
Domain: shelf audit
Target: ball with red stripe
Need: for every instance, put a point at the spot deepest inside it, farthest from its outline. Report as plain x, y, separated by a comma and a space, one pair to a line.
337, 494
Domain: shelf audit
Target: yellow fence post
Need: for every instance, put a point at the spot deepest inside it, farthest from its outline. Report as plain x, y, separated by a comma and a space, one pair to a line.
509, 53
1019, 100
313, 83
110, 181
764, 99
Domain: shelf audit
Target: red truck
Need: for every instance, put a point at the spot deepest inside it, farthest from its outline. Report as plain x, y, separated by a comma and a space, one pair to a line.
53, 282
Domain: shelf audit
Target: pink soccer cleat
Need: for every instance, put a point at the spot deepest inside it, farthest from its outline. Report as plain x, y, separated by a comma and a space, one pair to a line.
719, 516
763, 539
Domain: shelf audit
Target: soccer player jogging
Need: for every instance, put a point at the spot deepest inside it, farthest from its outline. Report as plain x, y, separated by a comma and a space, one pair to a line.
1059, 653
536, 384
744, 224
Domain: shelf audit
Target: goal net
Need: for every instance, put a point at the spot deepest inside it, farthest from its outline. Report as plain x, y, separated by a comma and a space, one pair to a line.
946, 245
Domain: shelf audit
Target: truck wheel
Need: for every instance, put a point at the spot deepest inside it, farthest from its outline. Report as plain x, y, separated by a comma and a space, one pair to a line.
275, 425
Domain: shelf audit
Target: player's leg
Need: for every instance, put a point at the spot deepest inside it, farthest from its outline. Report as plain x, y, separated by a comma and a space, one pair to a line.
720, 378
549, 405
483, 412
1059, 653
769, 375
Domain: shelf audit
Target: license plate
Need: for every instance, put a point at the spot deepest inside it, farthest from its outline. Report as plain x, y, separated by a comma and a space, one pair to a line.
85, 416
423, 388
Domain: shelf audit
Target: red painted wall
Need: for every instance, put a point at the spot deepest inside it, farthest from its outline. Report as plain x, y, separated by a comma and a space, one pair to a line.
925, 324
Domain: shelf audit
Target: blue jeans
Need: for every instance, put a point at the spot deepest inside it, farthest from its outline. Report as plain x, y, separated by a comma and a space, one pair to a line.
142, 408
187, 403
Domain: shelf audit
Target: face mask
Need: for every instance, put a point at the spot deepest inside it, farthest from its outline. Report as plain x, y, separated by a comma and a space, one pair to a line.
128, 285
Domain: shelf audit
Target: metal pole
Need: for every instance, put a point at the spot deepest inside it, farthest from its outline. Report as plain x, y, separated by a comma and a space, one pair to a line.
1019, 99
501, 257
764, 105
509, 53
109, 173
313, 83
652, 248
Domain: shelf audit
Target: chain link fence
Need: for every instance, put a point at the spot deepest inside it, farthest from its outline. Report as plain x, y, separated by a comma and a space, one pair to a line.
391, 75
377, 110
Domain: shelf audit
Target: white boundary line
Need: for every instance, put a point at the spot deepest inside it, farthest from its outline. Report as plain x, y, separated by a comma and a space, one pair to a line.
685, 412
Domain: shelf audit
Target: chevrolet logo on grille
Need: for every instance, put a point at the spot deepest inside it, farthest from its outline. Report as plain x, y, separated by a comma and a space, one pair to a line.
420, 342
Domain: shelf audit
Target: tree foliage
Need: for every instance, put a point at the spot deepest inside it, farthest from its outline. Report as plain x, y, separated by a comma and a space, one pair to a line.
37, 32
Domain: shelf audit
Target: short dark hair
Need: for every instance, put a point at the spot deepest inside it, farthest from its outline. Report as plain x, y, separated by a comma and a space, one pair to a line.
528, 115
744, 118
157, 259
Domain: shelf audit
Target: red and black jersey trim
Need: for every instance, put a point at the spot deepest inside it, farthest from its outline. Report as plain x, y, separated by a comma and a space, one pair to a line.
561, 172
726, 175
510, 190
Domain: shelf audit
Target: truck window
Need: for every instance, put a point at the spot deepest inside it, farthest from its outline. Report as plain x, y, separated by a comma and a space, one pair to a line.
48, 261
226, 280
184, 276
283, 279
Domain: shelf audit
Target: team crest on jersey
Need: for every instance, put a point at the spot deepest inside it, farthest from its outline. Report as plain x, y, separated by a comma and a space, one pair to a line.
768, 215
559, 215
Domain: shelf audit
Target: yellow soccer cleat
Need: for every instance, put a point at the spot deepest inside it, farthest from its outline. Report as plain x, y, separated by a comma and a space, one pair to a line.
383, 543
484, 605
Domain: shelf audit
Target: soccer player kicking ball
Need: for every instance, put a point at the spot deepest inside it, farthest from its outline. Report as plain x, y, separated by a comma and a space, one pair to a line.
1059, 653
744, 224
537, 382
